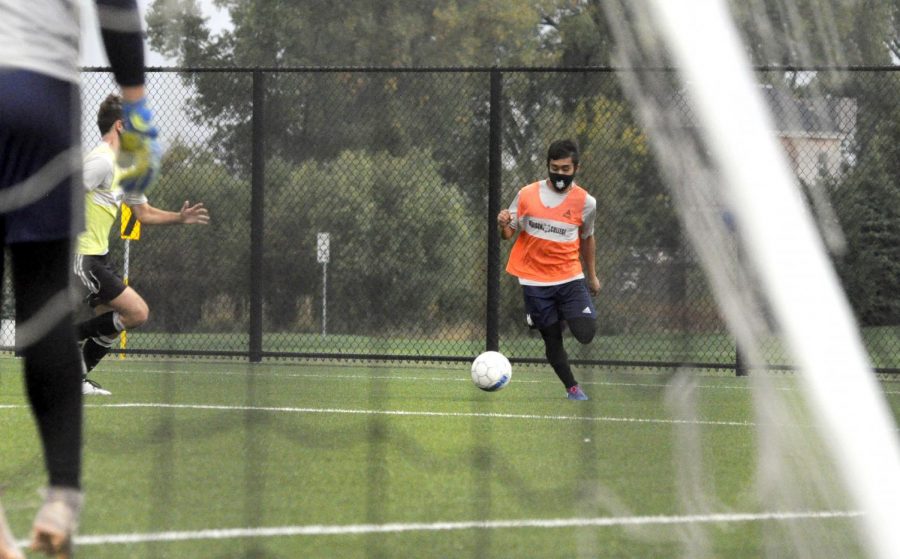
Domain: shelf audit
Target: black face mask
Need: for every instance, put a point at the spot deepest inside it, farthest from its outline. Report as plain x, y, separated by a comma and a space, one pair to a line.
561, 182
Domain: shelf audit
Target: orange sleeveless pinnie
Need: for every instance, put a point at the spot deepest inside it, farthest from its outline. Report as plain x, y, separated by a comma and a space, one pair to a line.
546, 249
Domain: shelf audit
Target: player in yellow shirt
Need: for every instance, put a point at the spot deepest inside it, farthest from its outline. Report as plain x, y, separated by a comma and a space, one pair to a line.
117, 306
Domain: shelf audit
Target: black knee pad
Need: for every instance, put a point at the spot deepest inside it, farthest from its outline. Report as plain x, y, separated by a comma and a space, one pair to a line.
583, 329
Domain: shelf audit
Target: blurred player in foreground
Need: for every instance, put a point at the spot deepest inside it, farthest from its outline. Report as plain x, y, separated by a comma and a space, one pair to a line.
555, 221
117, 306
41, 211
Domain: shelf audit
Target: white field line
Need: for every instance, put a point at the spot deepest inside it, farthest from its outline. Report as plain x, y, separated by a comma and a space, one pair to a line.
405, 413
447, 378
355, 529
461, 378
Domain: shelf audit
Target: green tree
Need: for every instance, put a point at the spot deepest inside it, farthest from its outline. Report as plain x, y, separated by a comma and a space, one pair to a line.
871, 268
867, 201
215, 258
405, 251
819, 32
308, 113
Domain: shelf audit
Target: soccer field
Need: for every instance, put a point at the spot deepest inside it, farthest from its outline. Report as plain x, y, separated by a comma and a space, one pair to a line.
207, 459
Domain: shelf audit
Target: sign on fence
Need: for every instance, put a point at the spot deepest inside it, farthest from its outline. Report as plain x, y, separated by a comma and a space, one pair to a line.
323, 248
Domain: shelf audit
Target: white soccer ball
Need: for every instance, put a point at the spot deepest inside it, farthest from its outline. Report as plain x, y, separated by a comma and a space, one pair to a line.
491, 371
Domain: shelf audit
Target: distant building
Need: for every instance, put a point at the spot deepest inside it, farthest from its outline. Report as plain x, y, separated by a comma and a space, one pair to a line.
816, 132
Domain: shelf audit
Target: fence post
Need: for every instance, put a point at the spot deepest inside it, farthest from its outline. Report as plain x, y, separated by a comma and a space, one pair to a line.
495, 177
740, 367
257, 215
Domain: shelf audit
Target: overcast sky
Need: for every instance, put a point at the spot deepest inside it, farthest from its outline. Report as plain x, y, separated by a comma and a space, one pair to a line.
92, 53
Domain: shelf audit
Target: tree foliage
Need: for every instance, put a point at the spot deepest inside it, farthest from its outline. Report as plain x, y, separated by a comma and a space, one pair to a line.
402, 244
359, 136
214, 258
867, 201
819, 32
399, 33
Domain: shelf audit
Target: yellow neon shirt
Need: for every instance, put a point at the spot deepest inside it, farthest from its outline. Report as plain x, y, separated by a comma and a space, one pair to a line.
102, 200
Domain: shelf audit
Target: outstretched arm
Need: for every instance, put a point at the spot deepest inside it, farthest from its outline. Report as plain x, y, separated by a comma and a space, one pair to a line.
188, 214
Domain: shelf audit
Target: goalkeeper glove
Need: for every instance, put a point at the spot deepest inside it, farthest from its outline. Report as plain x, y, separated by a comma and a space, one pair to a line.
140, 154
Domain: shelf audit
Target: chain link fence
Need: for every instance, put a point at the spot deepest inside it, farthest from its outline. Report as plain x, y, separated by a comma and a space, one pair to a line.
353, 212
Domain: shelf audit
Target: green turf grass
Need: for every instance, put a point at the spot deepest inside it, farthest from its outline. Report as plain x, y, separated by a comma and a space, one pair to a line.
339, 455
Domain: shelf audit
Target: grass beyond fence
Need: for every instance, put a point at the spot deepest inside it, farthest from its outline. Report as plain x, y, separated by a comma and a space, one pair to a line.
712, 349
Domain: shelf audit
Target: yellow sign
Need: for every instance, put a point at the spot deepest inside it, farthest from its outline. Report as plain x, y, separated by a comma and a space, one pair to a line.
131, 227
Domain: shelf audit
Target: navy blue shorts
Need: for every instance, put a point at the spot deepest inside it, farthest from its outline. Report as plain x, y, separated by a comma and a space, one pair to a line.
547, 305
39, 140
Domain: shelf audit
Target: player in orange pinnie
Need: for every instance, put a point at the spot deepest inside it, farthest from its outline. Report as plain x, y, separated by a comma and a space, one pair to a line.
554, 257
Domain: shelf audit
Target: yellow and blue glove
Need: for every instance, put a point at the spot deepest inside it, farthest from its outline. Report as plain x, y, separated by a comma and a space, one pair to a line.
140, 154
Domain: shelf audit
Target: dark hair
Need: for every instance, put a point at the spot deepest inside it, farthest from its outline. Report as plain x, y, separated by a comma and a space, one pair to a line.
109, 112
561, 149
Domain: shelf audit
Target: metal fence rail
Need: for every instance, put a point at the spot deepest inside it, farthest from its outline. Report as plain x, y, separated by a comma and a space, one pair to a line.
403, 172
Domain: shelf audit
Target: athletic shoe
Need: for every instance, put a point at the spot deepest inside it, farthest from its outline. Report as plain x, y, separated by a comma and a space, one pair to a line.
8, 547
56, 523
575, 393
91, 388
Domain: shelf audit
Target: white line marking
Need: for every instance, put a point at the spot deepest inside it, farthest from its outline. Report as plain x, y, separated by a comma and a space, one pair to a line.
405, 413
448, 378
355, 529
462, 378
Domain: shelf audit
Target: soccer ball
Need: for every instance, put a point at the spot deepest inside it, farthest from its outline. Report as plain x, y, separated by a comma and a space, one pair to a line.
491, 371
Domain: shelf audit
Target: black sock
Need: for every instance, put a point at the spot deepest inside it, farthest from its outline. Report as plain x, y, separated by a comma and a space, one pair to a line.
556, 354
93, 352
100, 325
52, 364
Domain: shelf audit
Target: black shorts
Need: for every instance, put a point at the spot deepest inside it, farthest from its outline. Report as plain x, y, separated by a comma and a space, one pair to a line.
40, 158
547, 305
97, 275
